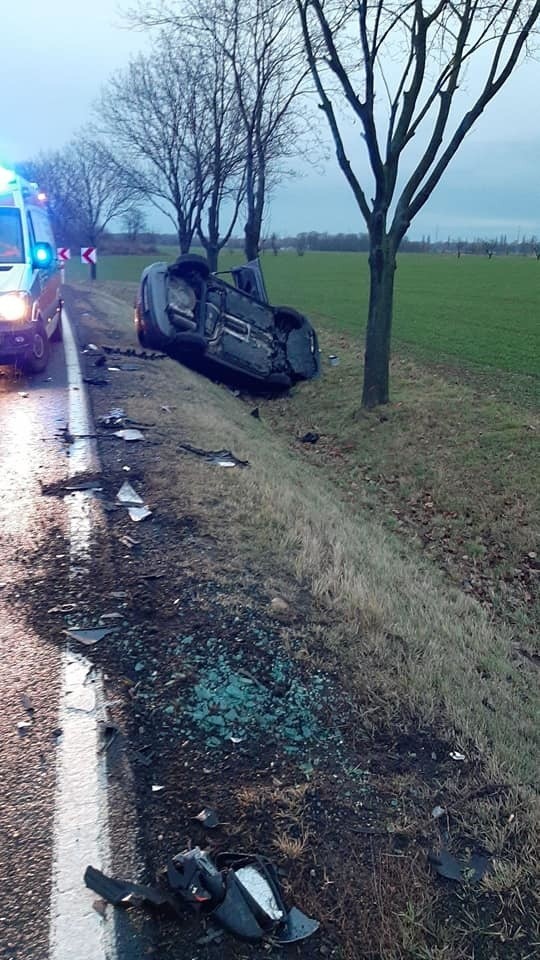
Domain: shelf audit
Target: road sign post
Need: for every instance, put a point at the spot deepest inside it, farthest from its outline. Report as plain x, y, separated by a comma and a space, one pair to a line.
89, 256
63, 254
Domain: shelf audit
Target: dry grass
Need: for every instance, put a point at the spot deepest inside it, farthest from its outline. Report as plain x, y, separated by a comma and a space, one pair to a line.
410, 642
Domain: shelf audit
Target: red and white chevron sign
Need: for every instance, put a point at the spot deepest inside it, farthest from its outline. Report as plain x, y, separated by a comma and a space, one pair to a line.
88, 255
64, 254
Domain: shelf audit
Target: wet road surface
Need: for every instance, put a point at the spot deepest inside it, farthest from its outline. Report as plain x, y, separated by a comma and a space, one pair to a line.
32, 410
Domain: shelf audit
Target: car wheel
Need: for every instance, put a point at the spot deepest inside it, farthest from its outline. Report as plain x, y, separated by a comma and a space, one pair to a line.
37, 357
288, 319
188, 264
56, 335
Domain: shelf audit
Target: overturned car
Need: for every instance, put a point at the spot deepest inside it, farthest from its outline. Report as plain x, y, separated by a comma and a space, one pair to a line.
206, 323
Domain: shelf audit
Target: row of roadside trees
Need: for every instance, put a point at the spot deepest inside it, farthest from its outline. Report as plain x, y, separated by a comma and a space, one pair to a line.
206, 123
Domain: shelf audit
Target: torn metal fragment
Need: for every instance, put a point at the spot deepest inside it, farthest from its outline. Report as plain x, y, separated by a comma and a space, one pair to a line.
88, 636
139, 513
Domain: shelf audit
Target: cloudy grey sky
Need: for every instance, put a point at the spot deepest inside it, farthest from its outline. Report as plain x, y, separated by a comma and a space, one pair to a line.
55, 57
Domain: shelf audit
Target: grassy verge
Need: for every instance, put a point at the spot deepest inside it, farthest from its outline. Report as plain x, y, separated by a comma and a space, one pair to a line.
430, 646
416, 651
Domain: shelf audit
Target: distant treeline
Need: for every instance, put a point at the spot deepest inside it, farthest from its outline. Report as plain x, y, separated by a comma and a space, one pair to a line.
123, 243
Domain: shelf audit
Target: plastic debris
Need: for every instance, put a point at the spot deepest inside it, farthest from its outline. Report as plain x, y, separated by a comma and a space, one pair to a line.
310, 437
240, 892
469, 871
128, 496
438, 812
88, 636
333, 361
23, 727
456, 755
157, 788
27, 703
129, 435
114, 418
139, 513
221, 458
208, 818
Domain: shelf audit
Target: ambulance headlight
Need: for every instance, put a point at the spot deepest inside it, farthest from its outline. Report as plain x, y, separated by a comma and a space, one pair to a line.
14, 307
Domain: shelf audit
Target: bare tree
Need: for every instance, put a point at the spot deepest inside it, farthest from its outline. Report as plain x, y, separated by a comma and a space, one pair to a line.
86, 190
218, 145
147, 111
416, 53
260, 40
135, 223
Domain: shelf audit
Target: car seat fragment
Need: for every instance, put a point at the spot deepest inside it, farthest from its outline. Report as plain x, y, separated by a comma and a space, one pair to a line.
450, 868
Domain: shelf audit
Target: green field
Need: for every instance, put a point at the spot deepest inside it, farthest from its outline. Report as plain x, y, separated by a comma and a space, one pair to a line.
478, 311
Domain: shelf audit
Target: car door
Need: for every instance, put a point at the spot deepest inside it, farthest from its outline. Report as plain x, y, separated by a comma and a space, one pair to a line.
48, 278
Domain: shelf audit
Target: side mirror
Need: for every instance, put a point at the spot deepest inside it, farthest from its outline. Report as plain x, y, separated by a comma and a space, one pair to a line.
42, 256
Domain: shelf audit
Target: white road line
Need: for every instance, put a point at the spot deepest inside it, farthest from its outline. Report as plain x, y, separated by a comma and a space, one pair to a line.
81, 835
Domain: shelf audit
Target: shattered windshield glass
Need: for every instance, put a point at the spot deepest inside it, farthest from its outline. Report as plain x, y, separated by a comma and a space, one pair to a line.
11, 239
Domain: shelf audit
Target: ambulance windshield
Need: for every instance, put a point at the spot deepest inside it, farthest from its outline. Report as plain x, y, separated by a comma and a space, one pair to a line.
11, 239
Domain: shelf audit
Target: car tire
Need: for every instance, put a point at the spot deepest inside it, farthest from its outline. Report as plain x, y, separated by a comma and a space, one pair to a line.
191, 263
37, 357
288, 319
56, 335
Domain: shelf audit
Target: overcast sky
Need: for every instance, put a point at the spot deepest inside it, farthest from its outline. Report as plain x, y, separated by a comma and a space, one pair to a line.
55, 57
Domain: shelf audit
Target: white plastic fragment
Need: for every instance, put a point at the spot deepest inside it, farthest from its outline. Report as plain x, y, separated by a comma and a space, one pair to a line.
438, 812
139, 513
456, 755
157, 788
128, 496
129, 434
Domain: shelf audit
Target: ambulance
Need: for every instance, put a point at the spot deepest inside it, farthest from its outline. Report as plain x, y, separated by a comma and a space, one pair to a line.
30, 291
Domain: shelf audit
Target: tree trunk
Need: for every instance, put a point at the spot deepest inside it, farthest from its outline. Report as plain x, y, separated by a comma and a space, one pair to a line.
212, 255
382, 266
251, 243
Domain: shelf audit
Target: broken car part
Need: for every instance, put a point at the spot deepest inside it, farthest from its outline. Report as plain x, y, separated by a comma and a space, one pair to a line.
240, 892
129, 435
222, 458
199, 319
208, 818
88, 637
464, 871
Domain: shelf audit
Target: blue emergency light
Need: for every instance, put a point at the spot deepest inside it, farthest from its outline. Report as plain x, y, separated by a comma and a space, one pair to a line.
42, 255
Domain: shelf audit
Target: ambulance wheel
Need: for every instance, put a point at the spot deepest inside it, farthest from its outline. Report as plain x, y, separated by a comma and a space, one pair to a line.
37, 357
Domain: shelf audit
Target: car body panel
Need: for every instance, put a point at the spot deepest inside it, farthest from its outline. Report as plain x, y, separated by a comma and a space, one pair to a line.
200, 319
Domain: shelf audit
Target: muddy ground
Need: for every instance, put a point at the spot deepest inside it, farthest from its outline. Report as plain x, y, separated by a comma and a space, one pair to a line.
221, 698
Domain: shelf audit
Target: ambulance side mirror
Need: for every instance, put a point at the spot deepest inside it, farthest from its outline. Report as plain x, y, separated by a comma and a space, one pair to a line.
42, 256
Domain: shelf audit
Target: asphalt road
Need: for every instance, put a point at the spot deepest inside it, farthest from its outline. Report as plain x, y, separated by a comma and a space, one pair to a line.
32, 410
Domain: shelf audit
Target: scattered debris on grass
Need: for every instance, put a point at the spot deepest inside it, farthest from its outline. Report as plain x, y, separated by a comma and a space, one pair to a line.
310, 437
208, 818
221, 458
333, 361
96, 381
463, 871
129, 435
240, 892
